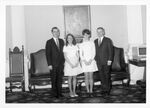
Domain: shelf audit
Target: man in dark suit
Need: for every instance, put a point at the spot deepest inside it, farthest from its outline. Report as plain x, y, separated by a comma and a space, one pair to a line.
104, 56
55, 60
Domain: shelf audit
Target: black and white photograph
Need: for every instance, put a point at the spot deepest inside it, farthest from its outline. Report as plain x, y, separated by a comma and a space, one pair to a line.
75, 53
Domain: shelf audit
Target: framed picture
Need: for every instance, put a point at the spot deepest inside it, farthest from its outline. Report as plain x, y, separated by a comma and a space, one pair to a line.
77, 18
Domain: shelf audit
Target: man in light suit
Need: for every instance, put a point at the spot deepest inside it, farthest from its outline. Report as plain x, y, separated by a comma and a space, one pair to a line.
55, 60
104, 56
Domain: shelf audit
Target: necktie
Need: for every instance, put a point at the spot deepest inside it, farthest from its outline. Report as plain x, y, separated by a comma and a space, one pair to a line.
57, 43
99, 42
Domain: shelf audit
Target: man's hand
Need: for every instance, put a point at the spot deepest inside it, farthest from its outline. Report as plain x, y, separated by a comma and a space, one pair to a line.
50, 67
109, 62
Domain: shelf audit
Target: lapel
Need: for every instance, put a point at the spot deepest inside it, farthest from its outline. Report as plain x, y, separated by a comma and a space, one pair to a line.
97, 43
55, 44
103, 40
59, 44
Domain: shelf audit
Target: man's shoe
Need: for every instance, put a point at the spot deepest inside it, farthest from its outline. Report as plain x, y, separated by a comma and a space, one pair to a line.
61, 95
91, 95
54, 95
103, 92
106, 93
57, 96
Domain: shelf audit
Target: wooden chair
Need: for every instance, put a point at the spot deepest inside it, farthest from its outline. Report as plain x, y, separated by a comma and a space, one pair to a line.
16, 69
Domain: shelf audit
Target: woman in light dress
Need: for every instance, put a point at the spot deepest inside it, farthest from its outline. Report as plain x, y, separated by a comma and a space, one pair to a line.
72, 67
87, 54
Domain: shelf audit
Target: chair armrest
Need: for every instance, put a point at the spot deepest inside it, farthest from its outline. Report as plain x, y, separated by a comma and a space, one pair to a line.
30, 71
31, 65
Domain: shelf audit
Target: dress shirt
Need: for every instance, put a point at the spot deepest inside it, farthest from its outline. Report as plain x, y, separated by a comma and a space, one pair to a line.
56, 41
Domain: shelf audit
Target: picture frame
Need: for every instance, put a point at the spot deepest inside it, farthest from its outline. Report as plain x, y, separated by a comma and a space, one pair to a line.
76, 19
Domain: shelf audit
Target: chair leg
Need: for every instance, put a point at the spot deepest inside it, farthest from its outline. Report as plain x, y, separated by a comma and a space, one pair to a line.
123, 83
128, 83
80, 85
34, 87
23, 86
10, 87
30, 88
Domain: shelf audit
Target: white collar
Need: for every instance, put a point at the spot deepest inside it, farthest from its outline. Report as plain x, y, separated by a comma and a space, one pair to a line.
55, 39
101, 38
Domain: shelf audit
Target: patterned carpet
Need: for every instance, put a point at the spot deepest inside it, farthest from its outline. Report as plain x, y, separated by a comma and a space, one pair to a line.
119, 94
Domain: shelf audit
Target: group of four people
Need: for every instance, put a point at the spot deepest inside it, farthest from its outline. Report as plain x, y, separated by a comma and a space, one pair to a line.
73, 59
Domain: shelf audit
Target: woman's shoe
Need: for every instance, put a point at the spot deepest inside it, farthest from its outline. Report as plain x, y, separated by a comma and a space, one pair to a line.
72, 96
75, 95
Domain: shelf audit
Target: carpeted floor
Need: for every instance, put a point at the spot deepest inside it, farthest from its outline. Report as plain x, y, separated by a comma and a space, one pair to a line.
119, 94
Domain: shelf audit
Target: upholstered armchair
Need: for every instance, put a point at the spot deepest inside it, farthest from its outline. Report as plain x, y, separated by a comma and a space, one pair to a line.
119, 69
39, 73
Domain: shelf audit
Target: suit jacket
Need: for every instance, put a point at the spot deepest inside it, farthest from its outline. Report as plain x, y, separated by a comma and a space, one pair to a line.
104, 52
54, 55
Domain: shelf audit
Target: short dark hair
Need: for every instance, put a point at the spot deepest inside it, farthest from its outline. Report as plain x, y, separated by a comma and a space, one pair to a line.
101, 29
74, 40
87, 31
54, 28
